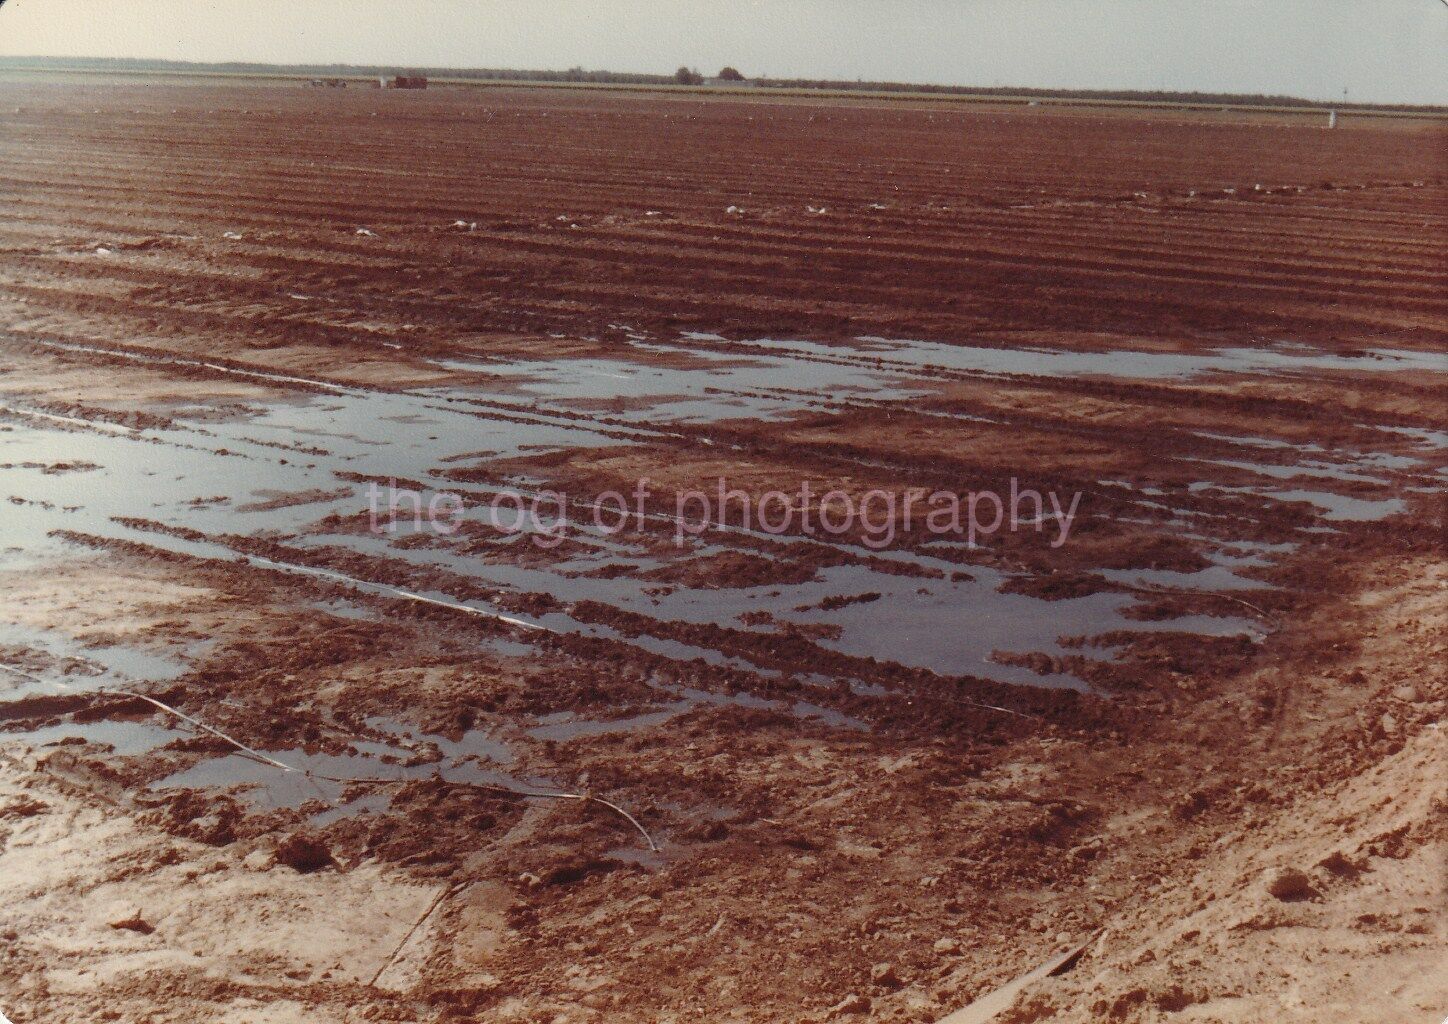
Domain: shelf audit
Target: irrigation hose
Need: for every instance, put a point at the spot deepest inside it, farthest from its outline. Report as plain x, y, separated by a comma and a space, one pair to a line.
261, 758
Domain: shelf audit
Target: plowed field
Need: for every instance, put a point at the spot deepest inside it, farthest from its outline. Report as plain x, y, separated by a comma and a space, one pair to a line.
944, 536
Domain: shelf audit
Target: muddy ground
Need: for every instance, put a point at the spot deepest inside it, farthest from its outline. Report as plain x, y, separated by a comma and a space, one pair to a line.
1191, 728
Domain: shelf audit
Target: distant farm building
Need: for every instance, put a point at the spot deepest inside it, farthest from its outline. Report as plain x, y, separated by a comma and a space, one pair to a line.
403, 82
328, 83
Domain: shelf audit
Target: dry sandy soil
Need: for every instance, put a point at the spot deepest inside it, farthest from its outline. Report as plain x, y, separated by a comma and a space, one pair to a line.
1197, 745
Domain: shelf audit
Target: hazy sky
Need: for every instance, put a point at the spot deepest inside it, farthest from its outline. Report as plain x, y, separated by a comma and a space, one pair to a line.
1381, 50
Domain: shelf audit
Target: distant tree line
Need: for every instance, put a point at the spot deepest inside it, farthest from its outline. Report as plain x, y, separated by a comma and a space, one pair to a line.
691, 76
140, 66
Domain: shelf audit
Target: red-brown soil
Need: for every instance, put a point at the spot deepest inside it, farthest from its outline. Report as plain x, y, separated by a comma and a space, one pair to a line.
884, 782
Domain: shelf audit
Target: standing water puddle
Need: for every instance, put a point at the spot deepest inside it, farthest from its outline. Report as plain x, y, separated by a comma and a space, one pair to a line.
1125, 364
724, 387
280, 468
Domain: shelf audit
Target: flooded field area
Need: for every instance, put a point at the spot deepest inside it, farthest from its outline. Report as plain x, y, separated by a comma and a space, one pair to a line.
477, 535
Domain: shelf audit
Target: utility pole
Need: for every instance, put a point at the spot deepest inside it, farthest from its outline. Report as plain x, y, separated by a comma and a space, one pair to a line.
1332, 114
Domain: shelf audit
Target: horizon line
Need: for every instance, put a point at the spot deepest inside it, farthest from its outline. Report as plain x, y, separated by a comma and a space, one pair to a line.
820, 84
